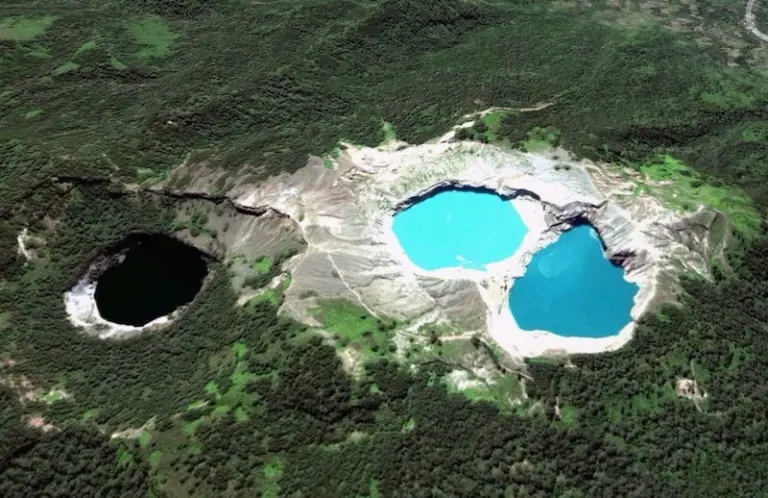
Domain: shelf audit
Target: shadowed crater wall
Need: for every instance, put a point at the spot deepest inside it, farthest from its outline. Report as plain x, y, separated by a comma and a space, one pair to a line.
155, 275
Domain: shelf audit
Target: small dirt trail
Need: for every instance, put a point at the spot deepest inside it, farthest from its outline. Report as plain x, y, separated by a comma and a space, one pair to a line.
751, 22
459, 337
353, 291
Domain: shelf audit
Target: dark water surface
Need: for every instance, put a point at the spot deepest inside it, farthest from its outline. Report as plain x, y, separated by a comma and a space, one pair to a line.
158, 274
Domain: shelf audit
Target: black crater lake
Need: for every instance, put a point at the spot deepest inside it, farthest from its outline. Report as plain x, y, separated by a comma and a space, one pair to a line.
157, 275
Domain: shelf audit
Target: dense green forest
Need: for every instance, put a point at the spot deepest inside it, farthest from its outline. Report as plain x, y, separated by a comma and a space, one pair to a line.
236, 401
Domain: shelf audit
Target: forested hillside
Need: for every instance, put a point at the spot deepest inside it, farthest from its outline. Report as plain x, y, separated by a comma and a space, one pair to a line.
238, 402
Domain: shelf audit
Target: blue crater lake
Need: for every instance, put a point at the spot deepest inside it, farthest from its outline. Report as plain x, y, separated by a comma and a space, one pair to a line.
459, 228
571, 288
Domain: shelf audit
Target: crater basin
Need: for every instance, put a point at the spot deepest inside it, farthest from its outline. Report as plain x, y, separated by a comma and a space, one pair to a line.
465, 228
570, 288
157, 275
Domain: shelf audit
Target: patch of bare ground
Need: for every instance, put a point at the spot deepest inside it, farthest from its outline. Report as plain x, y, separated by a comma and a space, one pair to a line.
351, 361
689, 388
27, 393
37, 421
20, 384
29, 246
558, 412
134, 432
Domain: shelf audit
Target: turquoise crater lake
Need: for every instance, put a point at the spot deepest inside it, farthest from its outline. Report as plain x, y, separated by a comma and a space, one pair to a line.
467, 228
570, 288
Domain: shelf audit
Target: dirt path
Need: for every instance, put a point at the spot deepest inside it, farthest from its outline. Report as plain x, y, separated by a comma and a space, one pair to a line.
751, 21
459, 337
344, 282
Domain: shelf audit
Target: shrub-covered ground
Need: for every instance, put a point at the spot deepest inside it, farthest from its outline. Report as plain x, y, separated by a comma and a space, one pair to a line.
243, 402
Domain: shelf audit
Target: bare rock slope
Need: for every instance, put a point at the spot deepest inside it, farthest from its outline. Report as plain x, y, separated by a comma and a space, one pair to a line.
344, 214
338, 214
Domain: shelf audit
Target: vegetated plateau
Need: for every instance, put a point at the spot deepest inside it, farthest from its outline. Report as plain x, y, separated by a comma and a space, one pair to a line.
100, 101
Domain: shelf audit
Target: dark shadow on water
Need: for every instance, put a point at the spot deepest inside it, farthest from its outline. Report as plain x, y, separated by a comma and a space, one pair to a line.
580, 221
617, 259
157, 275
458, 185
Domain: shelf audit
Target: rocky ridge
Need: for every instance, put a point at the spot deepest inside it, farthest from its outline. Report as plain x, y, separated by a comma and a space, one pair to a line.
345, 216
342, 210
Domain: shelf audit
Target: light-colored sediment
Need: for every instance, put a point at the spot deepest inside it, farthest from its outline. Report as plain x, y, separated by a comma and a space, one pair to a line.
22, 246
345, 215
241, 238
81, 308
28, 245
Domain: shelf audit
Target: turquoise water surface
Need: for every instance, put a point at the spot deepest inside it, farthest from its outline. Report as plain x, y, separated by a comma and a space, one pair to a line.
459, 228
572, 289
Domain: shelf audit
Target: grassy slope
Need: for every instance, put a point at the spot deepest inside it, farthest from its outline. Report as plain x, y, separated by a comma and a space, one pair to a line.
351, 326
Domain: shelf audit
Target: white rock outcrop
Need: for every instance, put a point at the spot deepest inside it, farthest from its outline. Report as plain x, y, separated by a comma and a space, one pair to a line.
80, 303
345, 216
